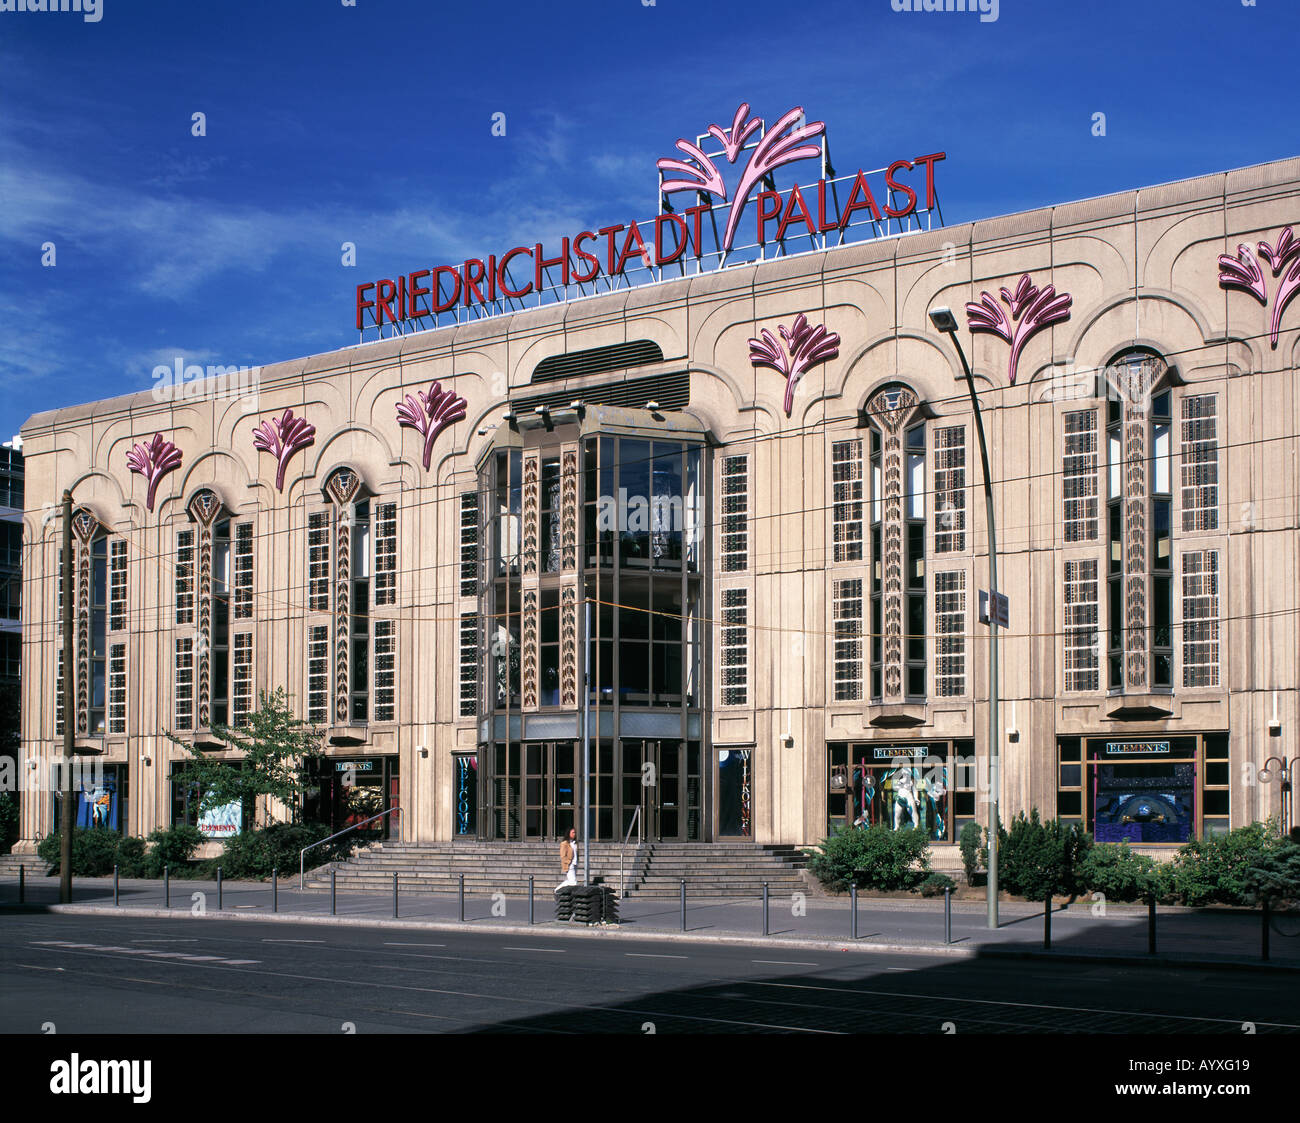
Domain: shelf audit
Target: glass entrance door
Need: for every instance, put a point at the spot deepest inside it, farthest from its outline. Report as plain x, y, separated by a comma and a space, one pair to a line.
549, 791
663, 779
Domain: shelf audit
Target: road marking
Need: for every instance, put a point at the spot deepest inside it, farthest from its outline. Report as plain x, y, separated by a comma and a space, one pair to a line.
547, 951
897, 968
33, 967
170, 940
647, 955
248, 906
786, 962
265, 941
399, 944
184, 957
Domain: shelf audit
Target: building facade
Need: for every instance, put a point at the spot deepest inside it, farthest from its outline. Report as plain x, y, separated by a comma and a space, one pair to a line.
754, 497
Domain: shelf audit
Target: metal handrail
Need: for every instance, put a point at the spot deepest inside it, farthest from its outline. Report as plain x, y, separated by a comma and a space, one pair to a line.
302, 853
636, 822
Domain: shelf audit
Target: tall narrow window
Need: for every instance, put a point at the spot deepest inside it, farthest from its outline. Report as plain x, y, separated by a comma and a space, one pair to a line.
469, 544
318, 561
242, 679
846, 484
735, 514
1200, 455
735, 647
117, 587
183, 679
117, 688
950, 630
1079, 473
243, 602
58, 693
1081, 621
1162, 551
385, 554
950, 489
385, 671
360, 622
318, 674
915, 577
848, 640
98, 636
468, 664
1201, 618
185, 577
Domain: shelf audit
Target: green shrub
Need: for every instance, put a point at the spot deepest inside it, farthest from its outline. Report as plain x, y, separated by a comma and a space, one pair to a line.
251, 855
131, 857
1275, 875
1217, 869
173, 847
875, 857
1113, 869
8, 822
935, 884
93, 852
970, 842
1035, 858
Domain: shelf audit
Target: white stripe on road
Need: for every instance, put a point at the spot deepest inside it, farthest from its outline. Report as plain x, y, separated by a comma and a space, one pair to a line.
293, 941
548, 951
786, 962
184, 957
647, 955
398, 944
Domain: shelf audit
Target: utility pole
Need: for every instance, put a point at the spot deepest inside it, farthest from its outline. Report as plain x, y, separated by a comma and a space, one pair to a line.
68, 816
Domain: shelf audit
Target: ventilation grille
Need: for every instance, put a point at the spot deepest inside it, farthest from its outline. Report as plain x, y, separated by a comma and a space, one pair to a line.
598, 360
670, 391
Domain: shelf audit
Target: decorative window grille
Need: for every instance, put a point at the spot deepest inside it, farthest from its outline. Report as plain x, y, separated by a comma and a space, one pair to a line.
846, 483
735, 514
117, 586
58, 693
1200, 463
468, 664
185, 577
950, 489
735, 647
318, 674
1082, 669
950, 633
243, 598
386, 554
184, 683
385, 671
318, 562
1201, 618
469, 544
847, 597
117, 688
242, 676
1079, 472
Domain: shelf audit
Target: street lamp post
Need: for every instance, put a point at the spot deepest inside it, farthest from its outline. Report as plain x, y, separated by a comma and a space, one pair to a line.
1283, 773
946, 322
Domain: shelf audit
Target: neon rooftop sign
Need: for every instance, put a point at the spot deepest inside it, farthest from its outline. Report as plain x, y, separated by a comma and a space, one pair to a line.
679, 241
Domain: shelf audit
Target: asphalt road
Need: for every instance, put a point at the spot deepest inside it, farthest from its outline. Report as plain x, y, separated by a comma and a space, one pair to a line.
80, 975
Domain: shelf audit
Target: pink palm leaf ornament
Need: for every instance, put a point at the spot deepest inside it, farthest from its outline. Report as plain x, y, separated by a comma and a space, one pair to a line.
1243, 272
1286, 256
741, 130
431, 414
282, 437
153, 461
782, 145
1032, 309
703, 173
805, 347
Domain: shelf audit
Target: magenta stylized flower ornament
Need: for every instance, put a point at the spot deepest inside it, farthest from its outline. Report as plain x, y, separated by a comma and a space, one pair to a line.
805, 347
153, 461
1243, 272
782, 144
431, 414
282, 437
1032, 309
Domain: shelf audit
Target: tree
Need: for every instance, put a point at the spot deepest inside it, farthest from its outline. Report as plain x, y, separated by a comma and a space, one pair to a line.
278, 748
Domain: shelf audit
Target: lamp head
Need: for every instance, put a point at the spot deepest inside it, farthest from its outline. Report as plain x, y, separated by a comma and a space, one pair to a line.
943, 320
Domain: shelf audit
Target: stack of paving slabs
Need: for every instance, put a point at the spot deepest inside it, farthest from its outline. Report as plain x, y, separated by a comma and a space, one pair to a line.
564, 902
588, 906
608, 905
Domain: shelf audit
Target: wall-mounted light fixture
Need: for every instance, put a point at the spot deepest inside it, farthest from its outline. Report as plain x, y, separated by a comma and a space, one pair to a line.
424, 752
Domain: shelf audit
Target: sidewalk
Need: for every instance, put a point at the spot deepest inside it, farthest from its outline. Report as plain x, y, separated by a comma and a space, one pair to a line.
1185, 937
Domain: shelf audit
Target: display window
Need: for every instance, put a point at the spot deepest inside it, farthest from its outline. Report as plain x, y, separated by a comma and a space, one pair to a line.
899, 786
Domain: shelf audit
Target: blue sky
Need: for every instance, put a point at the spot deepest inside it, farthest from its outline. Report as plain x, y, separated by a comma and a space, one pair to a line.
372, 124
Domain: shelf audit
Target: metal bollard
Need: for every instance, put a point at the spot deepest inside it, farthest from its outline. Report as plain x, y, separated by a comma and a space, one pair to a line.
394, 894
947, 914
115, 896
683, 904
1151, 924
167, 887
853, 909
1047, 923
333, 891
765, 924
531, 918
462, 898
218, 889
275, 889
1264, 916
22, 885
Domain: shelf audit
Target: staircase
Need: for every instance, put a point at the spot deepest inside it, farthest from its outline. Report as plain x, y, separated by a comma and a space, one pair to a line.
9, 864
714, 870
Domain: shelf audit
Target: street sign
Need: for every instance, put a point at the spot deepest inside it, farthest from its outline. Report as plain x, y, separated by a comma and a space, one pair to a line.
1001, 609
